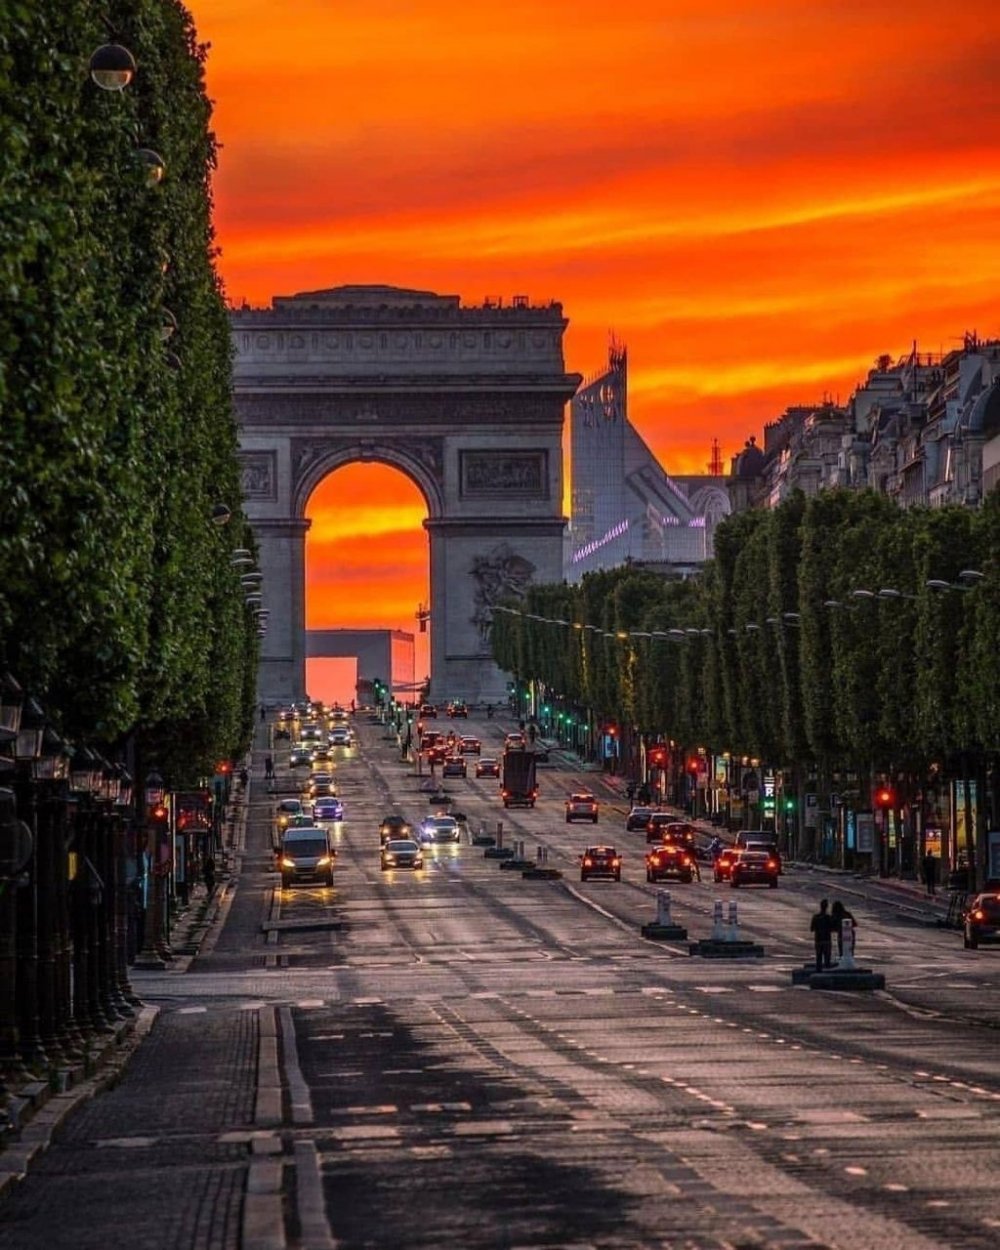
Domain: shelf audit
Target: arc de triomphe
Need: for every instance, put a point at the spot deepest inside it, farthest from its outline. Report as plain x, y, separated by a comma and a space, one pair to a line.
467, 401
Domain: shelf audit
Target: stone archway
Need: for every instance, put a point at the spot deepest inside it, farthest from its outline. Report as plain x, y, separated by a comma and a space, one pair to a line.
468, 402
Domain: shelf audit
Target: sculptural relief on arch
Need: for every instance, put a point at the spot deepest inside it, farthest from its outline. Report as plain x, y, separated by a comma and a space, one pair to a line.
467, 401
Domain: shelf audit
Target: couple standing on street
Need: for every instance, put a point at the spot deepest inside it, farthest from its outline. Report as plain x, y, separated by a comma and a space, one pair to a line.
824, 925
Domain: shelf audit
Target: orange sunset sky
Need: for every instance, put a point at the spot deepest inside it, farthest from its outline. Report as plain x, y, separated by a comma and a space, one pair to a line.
758, 197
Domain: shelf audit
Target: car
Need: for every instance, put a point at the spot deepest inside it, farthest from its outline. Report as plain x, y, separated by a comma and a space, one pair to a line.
723, 864
437, 753
757, 840
321, 754
682, 832
401, 853
514, 742
341, 736
428, 711
670, 859
600, 861
284, 732
306, 855
487, 767
300, 757
393, 826
753, 868
440, 828
304, 821
320, 784
981, 920
659, 823
310, 733
581, 806
638, 818
285, 810
454, 766
457, 707
328, 807
471, 746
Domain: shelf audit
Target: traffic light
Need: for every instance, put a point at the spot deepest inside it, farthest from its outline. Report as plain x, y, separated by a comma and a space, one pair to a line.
658, 756
884, 797
789, 805
692, 765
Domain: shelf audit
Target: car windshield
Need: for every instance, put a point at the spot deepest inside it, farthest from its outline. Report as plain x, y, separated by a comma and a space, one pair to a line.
443, 822
290, 805
989, 905
306, 846
398, 847
602, 851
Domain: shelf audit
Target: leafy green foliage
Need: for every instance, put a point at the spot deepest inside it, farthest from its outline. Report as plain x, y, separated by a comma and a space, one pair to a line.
119, 608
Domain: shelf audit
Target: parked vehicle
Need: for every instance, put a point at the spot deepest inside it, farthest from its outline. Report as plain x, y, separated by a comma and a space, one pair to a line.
518, 787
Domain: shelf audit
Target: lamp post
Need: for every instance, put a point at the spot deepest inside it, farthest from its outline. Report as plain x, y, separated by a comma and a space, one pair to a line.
27, 750
154, 794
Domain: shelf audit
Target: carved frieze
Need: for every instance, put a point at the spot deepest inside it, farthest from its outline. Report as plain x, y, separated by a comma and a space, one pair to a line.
427, 452
500, 574
510, 474
259, 475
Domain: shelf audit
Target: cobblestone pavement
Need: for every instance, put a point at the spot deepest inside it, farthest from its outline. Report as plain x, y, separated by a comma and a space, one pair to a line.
459, 1057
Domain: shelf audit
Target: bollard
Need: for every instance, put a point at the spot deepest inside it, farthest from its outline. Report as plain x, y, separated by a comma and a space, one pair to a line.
732, 926
545, 854
482, 828
499, 833
846, 961
538, 854
718, 928
663, 907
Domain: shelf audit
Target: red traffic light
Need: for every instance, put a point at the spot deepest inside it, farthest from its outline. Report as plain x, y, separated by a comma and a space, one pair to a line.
884, 797
159, 812
224, 767
693, 766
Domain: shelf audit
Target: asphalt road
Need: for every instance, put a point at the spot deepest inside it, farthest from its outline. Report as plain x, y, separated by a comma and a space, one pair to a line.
460, 1057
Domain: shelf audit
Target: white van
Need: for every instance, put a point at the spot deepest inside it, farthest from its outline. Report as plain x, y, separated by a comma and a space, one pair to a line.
306, 855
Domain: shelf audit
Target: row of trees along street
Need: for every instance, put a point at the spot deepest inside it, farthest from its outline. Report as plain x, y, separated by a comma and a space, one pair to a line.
832, 637
130, 619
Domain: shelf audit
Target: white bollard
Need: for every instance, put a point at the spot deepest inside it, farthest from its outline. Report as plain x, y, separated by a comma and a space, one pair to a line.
663, 907
718, 927
846, 960
733, 926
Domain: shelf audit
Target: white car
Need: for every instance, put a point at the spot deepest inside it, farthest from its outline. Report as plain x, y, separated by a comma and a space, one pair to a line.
440, 829
341, 736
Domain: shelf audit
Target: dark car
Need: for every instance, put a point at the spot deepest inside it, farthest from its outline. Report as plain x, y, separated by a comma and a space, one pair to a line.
454, 766
757, 840
600, 861
393, 826
402, 853
669, 860
471, 745
638, 818
754, 868
486, 767
723, 865
657, 825
428, 711
681, 832
982, 920
457, 708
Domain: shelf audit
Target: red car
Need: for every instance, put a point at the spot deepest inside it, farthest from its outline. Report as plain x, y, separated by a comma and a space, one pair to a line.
724, 863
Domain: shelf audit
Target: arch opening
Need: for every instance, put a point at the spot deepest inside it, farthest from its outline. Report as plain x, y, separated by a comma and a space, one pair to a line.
367, 575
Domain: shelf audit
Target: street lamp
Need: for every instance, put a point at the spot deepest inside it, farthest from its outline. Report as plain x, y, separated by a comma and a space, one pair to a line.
221, 514
112, 67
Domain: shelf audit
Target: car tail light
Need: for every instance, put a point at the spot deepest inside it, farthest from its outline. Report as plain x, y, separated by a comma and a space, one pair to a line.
588, 862
772, 863
977, 914
616, 863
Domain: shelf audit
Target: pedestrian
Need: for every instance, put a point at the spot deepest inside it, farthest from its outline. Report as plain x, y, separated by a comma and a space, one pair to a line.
929, 866
263, 712
208, 874
268, 767
244, 778
489, 711
842, 919
630, 791
821, 927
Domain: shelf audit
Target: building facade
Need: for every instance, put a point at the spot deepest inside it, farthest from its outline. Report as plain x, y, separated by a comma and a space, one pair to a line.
625, 506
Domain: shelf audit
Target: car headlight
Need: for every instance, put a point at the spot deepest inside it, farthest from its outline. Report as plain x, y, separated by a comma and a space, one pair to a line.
322, 863
286, 862
390, 859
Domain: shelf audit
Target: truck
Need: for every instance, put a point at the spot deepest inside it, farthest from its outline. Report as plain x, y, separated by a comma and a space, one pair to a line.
517, 783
